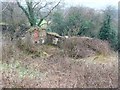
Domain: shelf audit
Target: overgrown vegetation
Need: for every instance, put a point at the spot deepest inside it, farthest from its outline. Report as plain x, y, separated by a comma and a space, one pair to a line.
81, 21
57, 70
85, 56
107, 32
85, 47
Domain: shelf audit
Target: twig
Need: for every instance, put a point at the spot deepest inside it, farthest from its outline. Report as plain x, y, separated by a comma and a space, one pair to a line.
49, 12
5, 7
36, 5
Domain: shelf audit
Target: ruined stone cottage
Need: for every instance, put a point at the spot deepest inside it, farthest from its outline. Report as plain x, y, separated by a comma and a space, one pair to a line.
44, 36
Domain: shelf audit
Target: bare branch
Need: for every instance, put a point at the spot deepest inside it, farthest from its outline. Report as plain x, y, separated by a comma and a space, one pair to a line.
5, 7
8, 6
27, 14
52, 9
36, 4
42, 7
49, 12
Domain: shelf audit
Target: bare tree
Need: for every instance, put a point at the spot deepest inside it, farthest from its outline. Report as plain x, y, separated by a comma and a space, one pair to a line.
33, 8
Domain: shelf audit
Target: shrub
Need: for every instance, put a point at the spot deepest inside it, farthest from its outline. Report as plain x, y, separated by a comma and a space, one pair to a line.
84, 47
25, 43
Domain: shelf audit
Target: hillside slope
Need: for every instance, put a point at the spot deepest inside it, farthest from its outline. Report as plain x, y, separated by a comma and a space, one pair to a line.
57, 70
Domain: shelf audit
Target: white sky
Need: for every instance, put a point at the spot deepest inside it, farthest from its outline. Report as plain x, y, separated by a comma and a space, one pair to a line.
96, 4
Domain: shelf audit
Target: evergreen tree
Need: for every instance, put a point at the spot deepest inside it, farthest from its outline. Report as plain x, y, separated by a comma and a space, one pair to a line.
107, 32
105, 29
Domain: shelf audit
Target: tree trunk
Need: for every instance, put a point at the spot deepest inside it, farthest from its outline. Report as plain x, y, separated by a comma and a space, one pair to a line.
31, 14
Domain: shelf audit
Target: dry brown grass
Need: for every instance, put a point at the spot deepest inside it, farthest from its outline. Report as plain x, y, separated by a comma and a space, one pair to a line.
57, 70
80, 47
